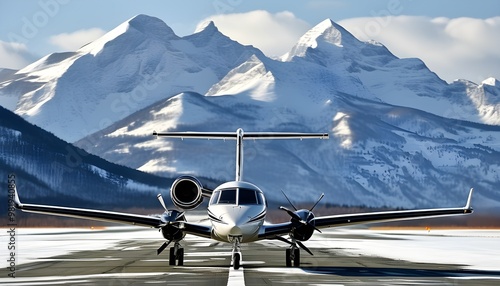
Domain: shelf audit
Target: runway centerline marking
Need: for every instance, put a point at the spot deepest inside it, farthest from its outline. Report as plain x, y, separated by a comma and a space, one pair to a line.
236, 277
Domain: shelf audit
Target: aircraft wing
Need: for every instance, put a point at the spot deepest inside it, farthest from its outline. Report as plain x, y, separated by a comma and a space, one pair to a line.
273, 230
100, 215
109, 216
350, 219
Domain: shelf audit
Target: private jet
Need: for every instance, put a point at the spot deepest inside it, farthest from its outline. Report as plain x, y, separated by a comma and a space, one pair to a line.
237, 209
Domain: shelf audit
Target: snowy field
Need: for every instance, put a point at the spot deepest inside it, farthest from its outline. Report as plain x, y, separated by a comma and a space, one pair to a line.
475, 249
468, 249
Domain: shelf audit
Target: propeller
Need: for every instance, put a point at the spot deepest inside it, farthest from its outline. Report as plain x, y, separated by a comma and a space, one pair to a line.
320, 197
288, 201
162, 202
296, 217
162, 247
292, 214
168, 218
291, 243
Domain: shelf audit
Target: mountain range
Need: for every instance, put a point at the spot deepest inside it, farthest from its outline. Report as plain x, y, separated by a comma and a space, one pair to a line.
49, 170
400, 135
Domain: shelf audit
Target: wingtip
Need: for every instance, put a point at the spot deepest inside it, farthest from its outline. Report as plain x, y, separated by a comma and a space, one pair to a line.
17, 201
469, 199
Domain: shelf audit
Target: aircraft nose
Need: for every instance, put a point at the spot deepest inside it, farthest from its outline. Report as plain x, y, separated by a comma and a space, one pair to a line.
234, 230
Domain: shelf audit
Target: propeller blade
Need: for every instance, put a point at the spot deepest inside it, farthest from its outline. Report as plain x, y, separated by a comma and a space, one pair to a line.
288, 200
283, 239
315, 228
179, 216
291, 213
301, 245
304, 247
160, 198
320, 197
162, 247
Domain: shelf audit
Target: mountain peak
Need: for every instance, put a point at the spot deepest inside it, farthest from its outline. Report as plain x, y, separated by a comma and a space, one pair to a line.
326, 32
137, 28
207, 33
208, 26
150, 25
491, 81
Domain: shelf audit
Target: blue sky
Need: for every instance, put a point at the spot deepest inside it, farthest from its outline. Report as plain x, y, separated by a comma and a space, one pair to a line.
456, 39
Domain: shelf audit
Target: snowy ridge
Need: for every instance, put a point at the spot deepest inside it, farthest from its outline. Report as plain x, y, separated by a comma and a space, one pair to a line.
136, 64
401, 136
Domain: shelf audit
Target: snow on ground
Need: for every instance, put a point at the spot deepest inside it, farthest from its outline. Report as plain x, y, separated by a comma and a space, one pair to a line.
475, 249
42, 243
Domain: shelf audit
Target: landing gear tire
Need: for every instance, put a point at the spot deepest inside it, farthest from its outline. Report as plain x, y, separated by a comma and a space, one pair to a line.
236, 261
296, 257
171, 257
179, 256
288, 257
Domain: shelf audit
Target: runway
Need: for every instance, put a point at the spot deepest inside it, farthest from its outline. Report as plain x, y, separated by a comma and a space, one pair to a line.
127, 256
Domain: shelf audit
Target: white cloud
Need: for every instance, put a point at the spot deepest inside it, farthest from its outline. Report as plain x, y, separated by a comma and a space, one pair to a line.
75, 40
14, 55
464, 48
273, 34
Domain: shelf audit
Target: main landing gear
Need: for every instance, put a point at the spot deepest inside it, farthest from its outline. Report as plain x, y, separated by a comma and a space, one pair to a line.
293, 254
176, 255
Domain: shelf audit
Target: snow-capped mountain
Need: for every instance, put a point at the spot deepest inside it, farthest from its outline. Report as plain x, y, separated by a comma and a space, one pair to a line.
401, 136
136, 64
379, 154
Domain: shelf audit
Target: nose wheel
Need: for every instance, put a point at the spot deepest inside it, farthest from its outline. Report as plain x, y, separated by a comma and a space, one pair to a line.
236, 260
236, 253
176, 255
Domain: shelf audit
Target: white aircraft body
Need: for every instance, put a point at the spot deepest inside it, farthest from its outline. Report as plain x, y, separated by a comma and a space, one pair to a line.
236, 209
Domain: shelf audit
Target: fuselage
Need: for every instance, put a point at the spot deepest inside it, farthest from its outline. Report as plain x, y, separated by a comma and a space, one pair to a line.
237, 210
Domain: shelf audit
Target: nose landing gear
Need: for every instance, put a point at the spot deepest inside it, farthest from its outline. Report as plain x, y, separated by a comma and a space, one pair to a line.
236, 253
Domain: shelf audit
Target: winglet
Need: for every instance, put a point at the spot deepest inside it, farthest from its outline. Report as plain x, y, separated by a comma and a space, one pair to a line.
17, 202
467, 206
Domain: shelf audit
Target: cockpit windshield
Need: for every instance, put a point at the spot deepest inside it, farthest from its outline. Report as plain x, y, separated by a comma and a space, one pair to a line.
238, 196
228, 197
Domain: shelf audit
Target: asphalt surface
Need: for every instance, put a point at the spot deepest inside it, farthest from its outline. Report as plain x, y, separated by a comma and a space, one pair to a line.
134, 262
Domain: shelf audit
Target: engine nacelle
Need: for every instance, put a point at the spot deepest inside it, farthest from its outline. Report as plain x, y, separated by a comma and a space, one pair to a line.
301, 231
186, 193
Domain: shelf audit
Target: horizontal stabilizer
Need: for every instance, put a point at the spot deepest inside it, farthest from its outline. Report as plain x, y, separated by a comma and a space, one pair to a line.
245, 136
